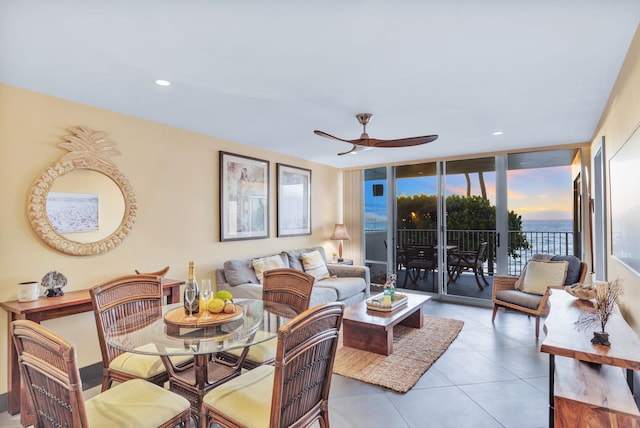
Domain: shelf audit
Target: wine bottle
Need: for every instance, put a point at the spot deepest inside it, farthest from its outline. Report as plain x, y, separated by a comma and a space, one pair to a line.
191, 284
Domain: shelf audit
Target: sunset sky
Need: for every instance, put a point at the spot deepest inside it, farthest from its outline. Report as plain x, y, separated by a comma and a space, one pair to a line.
535, 194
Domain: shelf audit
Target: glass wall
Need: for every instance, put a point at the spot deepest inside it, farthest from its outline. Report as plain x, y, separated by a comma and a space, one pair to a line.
376, 218
447, 227
541, 206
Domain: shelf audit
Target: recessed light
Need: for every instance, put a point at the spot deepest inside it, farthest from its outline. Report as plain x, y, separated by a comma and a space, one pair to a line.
162, 82
497, 133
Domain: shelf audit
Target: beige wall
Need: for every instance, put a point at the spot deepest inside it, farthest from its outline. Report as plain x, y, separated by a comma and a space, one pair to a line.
619, 120
174, 174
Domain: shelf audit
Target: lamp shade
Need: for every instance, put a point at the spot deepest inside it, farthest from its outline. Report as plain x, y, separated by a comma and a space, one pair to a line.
340, 233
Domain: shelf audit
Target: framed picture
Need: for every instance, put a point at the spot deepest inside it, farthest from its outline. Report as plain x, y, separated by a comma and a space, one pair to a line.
294, 200
244, 197
625, 208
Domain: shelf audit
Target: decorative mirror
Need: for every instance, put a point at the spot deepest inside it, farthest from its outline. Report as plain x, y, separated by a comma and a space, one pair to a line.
82, 205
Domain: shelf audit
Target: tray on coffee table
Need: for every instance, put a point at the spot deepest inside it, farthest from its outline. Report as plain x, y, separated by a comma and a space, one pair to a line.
376, 303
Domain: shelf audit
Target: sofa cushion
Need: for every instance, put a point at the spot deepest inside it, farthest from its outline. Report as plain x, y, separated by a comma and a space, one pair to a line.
320, 295
314, 265
345, 287
542, 274
239, 271
295, 256
262, 264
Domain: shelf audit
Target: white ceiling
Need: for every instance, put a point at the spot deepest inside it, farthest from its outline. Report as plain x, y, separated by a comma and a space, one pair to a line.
267, 73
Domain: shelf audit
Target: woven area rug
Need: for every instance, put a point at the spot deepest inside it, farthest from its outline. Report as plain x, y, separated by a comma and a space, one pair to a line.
414, 351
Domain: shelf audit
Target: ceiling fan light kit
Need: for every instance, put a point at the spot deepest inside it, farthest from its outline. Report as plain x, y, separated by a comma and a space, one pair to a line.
365, 141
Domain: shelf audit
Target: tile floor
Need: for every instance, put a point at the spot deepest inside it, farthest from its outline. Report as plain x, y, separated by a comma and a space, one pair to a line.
491, 376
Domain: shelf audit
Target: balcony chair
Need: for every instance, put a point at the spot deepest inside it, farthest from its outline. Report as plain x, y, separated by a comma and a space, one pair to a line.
113, 300
293, 393
417, 259
282, 285
512, 292
463, 261
49, 370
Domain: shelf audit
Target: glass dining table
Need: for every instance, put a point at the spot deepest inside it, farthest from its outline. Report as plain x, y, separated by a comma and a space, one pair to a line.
168, 332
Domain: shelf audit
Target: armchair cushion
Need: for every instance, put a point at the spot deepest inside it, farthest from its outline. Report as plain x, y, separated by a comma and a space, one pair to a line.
541, 274
531, 301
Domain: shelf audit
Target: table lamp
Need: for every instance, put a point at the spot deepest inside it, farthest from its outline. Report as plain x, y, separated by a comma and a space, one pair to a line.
340, 233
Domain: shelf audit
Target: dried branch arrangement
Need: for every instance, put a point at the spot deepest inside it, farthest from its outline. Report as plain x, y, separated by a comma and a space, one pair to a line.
606, 304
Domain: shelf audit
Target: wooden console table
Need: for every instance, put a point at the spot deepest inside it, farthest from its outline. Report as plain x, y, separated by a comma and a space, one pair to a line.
47, 308
584, 384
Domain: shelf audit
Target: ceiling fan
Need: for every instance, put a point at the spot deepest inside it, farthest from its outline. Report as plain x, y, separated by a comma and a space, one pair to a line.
365, 141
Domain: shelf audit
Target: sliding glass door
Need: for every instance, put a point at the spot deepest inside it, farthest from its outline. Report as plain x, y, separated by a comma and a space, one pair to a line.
447, 227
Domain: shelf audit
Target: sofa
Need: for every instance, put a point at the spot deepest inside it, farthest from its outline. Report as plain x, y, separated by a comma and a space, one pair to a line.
345, 283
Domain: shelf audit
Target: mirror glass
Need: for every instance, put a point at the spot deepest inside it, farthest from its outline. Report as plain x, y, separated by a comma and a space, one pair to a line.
85, 206
82, 205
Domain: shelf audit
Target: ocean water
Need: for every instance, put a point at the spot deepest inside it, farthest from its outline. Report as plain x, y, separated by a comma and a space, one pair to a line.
547, 225
549, 236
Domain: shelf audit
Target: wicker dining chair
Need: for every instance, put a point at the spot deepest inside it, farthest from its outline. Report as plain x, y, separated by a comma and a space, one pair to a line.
50, 373
113, 300
282, 285
294, 392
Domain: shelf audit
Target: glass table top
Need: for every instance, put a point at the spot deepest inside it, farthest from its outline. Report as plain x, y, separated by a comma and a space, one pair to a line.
147, 332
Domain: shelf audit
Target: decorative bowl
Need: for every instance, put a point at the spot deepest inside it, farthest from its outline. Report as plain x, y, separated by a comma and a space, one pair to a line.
581, 291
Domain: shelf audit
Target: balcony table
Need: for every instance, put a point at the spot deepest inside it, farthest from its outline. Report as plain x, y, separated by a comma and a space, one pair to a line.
47, 308
258, 322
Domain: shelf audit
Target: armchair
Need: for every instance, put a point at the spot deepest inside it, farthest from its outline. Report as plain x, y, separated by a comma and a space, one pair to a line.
508, 292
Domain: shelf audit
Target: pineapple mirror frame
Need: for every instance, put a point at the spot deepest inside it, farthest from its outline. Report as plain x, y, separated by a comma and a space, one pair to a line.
88, 151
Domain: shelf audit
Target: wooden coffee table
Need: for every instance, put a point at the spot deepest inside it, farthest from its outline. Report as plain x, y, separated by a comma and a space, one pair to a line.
371, 330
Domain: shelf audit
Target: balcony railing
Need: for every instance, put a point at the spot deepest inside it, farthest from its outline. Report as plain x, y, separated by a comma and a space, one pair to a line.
536, 242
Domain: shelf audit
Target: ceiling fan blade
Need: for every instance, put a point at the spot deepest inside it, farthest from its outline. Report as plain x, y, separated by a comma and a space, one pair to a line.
324, 134
405, 142
353, 149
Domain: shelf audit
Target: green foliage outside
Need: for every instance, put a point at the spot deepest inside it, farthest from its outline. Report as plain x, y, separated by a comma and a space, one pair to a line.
465, 213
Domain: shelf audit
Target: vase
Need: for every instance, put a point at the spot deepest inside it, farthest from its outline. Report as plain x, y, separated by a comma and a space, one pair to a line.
601, 338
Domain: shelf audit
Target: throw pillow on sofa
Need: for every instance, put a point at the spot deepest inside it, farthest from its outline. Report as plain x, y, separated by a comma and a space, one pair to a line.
265, 263
314, 265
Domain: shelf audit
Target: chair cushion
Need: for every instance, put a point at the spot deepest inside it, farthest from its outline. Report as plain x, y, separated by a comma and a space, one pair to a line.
573, 269
134, 403
542, 274
141, 365
259, 353
520, 298
314, 265
262, 264
247, 398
